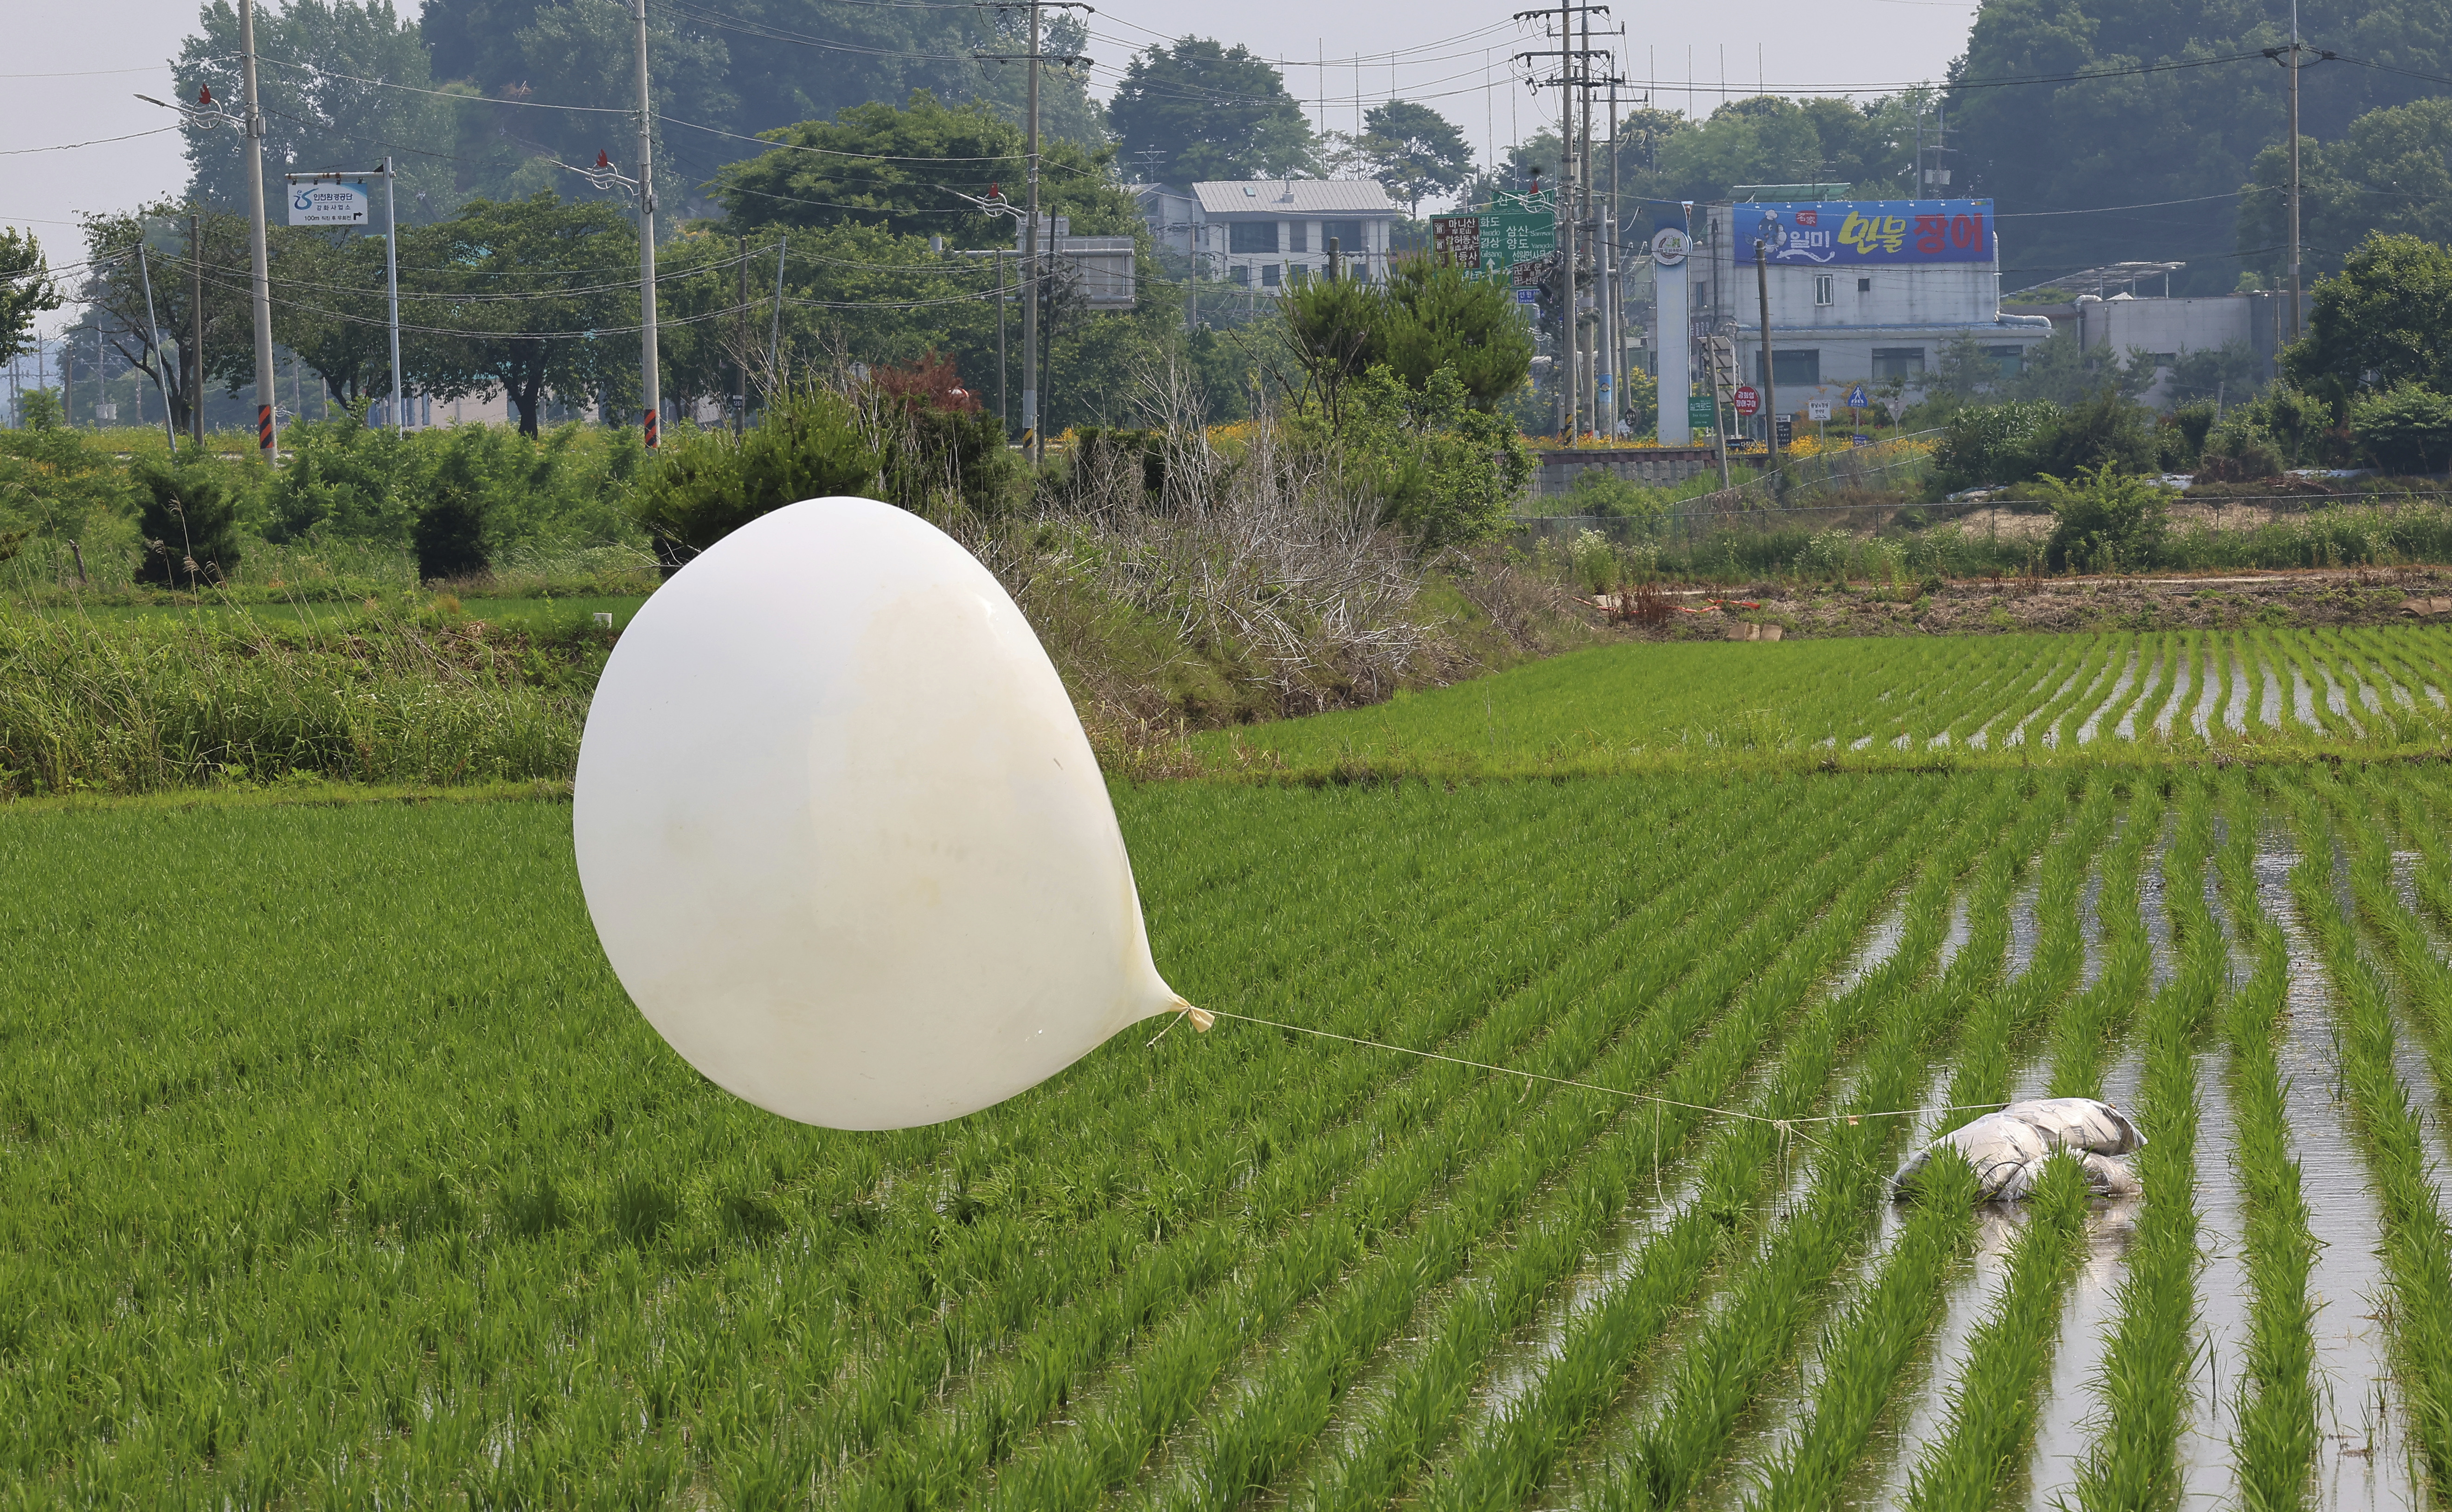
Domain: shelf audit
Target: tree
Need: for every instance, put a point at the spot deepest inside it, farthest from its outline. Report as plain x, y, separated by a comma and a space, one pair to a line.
1444, 471
2392, 173
2405, 429
2059, 369
2093, 120
2106, 520
1415, 153
739, 68
115, 286
1433, 318
1201, 111
2384, 320
512, 296
330, 306
25, 289
186, 520
318, 110
915, 169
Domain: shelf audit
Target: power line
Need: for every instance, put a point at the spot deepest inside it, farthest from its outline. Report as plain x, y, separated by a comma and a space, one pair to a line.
71, 147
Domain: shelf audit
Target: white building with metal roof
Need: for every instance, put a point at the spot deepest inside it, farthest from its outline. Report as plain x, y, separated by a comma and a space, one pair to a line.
1270, 235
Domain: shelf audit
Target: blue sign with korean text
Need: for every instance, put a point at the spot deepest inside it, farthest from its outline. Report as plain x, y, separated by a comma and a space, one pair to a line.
1837, 231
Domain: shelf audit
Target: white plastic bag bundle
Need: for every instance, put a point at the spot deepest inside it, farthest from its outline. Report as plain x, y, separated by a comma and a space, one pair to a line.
2008, 1148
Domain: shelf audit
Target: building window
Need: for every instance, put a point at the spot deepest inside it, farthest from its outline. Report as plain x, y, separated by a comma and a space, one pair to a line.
1898, 362
1822, 295
2011, 360
1298, 274
1863, 285
1252, 236
1242, 273
1792, 369
1349, 236
1268, 275
1297, 236
2161, 359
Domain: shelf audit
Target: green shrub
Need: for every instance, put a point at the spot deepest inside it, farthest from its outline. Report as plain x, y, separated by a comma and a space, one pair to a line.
2238, 451
187, 519
1444, 472
1992, 444
2108, 521
2407, 429
2107, 430
707, 484
2181, 438
1603, 493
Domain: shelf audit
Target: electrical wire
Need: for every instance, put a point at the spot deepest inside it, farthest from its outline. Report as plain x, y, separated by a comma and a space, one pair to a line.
71, 147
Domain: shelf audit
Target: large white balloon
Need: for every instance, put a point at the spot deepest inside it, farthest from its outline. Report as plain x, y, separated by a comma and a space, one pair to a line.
840, 832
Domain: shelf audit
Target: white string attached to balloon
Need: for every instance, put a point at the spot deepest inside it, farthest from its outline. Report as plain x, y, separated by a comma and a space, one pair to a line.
1202, 1018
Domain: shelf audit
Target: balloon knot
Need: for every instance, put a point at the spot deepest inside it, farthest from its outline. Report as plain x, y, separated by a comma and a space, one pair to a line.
1201, 1018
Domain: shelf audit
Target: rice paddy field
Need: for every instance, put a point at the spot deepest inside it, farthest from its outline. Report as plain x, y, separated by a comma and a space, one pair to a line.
337, 1171
2114, 698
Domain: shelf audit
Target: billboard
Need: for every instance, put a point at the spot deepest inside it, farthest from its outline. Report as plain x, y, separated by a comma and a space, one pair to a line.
1848, 232
327, 202
1492, 243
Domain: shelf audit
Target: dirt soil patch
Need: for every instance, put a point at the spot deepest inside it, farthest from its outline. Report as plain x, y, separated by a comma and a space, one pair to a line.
2012, 605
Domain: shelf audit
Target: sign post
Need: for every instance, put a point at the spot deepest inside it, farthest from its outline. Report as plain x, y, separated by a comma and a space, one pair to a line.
1747, 401
340, 199
1671, 341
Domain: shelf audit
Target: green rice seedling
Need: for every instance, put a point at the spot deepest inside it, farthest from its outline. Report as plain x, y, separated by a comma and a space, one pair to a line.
1717, 1377
2143, 1388
1410, 1416
2274, 1443
837, 1202
1021, 1396
1171, 1377
2417, 1242
1885, 1325
1517, 1450
1992, 1416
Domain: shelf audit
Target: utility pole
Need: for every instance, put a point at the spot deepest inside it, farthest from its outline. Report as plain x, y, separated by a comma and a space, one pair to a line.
1031, 277
740, 352
153, 340
392, 286
1032, 284
1770, 394
1571, 395
1569, 56
267, 445
194, 366
774, 331
2294, 171
651, 393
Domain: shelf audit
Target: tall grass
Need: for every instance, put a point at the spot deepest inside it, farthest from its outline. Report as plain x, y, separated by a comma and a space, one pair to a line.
185, 700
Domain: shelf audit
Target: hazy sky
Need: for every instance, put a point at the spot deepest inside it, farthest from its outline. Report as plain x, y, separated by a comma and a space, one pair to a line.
74, 67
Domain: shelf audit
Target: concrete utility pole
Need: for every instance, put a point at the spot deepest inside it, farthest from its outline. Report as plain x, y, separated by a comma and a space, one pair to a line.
651, 391
1031, 281
1569, 390
392, 286
741, 353
1770, 394
1034, 256
153, 339
2294, 172
267, 443
194, 366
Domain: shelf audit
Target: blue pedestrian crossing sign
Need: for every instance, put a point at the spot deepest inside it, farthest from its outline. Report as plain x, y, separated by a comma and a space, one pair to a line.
1856, 396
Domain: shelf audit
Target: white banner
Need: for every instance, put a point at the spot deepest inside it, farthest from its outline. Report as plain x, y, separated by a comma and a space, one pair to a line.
326, 203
